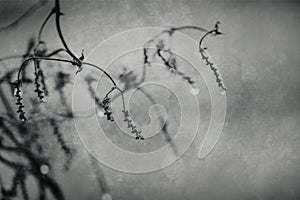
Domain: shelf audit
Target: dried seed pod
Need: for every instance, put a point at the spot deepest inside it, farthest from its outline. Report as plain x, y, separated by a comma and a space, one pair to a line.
107, 109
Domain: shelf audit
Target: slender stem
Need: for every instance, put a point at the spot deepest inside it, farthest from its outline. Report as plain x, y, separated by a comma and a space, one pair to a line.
172, 30
190, 27
204, 36
95, 66
39, 58
121, 93
61, 60
22, 56
111, 90
58, 27
54, 52
43, 25
123, 99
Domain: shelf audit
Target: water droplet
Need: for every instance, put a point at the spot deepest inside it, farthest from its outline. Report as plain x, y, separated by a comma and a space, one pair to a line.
100, 113
223, 91
194, 91
44, 169
106, 197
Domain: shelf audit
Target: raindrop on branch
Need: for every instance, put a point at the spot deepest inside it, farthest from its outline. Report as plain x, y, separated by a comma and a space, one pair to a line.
44, 169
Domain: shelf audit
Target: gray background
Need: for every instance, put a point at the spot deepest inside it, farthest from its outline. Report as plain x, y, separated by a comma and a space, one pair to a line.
257, 156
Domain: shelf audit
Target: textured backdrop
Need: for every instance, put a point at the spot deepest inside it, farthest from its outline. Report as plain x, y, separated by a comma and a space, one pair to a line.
258, 154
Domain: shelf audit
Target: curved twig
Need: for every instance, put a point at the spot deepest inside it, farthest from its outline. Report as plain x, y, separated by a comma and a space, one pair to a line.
58, 13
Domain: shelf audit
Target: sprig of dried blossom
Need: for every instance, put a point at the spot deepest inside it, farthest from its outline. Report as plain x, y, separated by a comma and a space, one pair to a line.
38, 90
208, 62
171, 63
19, 101
132, 126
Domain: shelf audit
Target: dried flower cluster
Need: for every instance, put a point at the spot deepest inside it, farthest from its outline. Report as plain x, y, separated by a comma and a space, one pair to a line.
215, 71
171, 63
19, 103
107, 108
209, 63
38, 90
105, 104
138, 134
